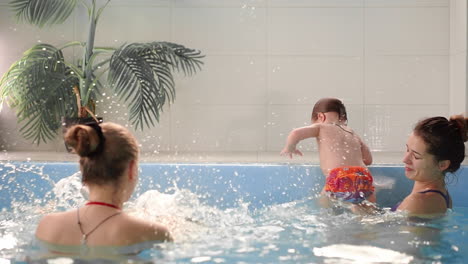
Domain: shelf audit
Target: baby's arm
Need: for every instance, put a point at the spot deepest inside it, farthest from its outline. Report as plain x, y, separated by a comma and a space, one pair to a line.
366, 154
297, 135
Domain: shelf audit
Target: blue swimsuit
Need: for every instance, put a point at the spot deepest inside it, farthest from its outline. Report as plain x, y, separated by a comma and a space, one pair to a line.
446, 198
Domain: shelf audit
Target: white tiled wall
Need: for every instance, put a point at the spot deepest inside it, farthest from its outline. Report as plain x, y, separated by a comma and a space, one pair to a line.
268, 61
458, 57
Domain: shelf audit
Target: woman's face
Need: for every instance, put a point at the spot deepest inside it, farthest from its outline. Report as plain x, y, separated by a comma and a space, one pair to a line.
420, 165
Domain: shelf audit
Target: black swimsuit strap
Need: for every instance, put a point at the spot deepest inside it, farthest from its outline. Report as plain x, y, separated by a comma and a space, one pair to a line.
446, 196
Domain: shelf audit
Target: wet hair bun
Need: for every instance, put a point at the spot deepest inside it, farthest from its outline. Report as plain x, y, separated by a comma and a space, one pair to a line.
461, 122
83, 139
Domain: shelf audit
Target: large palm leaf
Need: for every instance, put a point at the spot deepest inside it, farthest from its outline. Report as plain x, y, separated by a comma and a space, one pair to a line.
40, 88
40, 85
141, 75
43, 12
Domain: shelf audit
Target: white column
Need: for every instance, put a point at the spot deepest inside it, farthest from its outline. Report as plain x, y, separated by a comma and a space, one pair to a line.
458, 57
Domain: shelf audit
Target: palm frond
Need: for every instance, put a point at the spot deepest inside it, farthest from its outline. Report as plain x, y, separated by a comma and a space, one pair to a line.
141, 74
39, 86
179, 57
43, 12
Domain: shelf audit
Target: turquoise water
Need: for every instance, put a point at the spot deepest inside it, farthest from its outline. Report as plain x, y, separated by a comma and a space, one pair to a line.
294, 232
210, 229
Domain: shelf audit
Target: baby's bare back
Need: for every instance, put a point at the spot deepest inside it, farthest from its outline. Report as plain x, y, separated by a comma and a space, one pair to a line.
338, 146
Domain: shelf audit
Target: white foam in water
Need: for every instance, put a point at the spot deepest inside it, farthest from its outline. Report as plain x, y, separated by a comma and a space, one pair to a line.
8, 241
84, 192
362, 254
4, 261
383, 182
60, 261
289, 231
177, 211
68, 192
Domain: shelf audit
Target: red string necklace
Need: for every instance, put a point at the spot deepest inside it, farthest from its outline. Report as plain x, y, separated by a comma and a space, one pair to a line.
84, 236
103, 204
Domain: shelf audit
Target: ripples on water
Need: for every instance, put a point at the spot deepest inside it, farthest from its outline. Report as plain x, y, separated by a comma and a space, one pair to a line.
294, 232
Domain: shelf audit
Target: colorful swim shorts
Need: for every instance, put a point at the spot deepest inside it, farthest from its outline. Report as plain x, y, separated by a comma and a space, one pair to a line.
351, 184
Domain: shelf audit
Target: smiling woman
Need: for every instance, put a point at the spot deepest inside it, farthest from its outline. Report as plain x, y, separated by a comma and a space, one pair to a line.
435, 147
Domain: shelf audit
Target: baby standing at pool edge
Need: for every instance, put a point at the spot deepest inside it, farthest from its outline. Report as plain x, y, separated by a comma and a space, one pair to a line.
343, 155
109, 167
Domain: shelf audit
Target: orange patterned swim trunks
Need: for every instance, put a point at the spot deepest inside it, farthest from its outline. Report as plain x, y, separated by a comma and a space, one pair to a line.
351, 184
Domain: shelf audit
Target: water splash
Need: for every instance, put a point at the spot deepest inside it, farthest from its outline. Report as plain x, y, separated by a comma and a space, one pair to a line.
297, 231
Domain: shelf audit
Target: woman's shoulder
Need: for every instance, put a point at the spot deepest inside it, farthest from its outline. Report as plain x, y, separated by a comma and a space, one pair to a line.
57, 217
52, 223
424, 204
143, 230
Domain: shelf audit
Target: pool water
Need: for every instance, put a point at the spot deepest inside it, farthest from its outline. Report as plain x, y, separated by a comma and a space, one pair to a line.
222, 213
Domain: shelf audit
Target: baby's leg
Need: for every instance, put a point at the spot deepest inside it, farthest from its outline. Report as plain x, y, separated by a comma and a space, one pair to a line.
372, 198
324, 201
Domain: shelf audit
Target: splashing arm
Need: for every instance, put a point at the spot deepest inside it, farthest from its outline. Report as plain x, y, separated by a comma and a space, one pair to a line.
297, 135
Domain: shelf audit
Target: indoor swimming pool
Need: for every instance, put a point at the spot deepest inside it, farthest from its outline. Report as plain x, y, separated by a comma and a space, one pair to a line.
238, 213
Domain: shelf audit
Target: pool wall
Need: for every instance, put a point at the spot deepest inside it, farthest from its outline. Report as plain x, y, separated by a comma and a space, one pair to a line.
221, 185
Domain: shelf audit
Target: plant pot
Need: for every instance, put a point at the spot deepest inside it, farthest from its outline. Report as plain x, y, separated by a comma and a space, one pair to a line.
67, 122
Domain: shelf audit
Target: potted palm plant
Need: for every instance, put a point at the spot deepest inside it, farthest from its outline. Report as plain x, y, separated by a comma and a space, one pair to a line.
43, 87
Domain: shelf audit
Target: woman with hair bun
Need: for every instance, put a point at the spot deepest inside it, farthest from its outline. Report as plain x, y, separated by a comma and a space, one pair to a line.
109, 166
435, 148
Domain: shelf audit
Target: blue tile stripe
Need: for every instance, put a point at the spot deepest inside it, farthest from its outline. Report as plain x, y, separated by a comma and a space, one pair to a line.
221, 185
